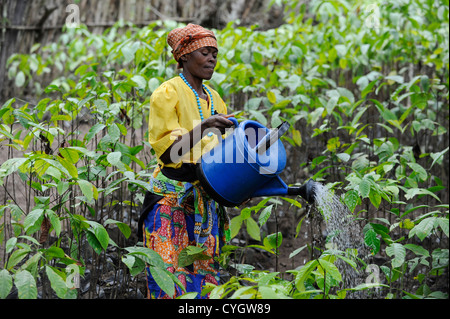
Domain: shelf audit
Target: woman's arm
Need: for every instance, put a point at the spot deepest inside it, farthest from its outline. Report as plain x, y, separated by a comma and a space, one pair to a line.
184, 143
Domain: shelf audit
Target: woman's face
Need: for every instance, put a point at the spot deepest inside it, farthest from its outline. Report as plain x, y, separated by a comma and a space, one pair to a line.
201, 62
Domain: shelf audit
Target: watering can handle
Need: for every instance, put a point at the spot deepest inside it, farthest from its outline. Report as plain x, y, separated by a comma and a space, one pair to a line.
235, 122
270, 138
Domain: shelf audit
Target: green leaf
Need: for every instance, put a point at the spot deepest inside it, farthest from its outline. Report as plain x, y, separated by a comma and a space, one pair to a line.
20, 79
351, 199
299, 226
124, 131
348, 261
271, 97
407, 224
144, 185
88, 189
395, 78
425, 82
25, 284
443, 223
124, 228
93, 131
140, 81
54, 220
177, 282
418, 250
40, 167
129, 51
16, 257
380, 230
69, 166
10, 244
101, 105
333, 144
100, 233
264, 215
8, 103
292, 201
412, 192
189, 295
54, 251
364, 188
114, 132
270, 292
70, 154
146, 254
93, 241
438, 156
344, 157
246, 213
5, 283
371, 240
385, 113
114, 159
360, 164
57, 283
135, 265
10, 166
297, 251
304, 273
33, 220
184, 259
253, 228
62, 187
413, 209
190, 254
331, 104
330, 269
273, 241
297, 137
153, 84
423, 229
399, 252
417, 168
194, 250
235, 226
163, 280
259, 117
375, 198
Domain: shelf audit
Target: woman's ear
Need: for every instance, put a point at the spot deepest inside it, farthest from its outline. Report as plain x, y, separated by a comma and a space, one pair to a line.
184, 58
181, 60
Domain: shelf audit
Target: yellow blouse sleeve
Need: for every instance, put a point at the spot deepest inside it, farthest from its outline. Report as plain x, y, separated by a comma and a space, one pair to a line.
163, 124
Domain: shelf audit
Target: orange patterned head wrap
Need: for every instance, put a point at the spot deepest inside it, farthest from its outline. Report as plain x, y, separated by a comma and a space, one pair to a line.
188, 39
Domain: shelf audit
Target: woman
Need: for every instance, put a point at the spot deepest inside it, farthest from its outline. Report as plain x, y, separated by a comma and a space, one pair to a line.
184, 114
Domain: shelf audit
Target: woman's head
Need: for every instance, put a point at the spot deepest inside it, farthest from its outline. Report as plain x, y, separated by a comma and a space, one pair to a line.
194, 47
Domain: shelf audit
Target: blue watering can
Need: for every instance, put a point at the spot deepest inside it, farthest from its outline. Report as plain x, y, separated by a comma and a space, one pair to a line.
247, 164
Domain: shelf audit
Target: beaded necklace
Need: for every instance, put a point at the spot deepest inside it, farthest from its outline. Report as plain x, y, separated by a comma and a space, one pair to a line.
198, 98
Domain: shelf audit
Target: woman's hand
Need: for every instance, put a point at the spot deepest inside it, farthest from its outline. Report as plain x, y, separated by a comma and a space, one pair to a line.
218, 121
184, 143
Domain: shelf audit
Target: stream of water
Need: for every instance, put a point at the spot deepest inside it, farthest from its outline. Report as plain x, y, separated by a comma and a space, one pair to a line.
344, 234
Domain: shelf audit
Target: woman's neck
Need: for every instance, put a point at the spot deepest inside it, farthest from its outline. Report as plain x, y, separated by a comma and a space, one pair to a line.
195, 82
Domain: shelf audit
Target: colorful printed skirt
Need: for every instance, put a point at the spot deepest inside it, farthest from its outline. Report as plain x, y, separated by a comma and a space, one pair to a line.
168, 229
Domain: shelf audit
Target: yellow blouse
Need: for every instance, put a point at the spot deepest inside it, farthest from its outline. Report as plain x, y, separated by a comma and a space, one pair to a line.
174, 112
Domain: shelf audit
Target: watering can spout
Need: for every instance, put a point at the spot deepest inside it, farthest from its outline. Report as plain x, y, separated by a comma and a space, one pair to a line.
277, 187
307, 191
